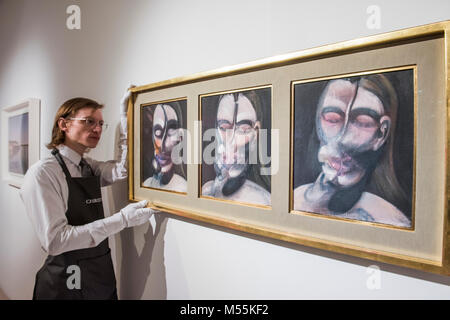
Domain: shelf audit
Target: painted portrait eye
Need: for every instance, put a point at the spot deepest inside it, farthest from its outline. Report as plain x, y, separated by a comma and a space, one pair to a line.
243, 128
364, 121
332, 117
158, 133
172, 127
171, 132
224, 126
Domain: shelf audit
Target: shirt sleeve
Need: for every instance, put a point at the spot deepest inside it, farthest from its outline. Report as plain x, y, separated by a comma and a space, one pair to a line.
42, 195
114, 170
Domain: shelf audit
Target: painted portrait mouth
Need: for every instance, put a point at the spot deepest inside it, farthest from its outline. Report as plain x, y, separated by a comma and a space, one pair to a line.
230, 168
163, 159
342, 165
229, 161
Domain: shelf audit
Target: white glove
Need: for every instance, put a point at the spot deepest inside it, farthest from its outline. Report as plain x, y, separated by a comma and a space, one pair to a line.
136, 214
124, 101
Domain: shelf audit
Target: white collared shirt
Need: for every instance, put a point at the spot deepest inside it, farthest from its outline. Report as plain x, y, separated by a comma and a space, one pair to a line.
45, 194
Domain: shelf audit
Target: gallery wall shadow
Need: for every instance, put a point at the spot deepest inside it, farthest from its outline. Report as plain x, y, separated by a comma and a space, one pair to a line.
412, 273
142, 273
147, 269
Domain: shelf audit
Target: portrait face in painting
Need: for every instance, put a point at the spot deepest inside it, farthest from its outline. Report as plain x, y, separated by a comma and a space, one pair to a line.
166, 135
163, 157
237, 129
352, 125
233, 167
357, 153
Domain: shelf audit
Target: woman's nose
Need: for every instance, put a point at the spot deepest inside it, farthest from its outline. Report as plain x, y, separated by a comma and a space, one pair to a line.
344, 135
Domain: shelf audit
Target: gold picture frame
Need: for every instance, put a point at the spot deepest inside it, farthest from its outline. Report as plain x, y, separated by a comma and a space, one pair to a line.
424, 246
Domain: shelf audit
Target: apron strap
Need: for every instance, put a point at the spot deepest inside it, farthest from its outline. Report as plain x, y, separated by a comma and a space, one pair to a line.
60, 160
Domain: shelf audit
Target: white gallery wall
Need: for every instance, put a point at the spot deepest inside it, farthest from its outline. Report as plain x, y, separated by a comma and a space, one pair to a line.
144, 41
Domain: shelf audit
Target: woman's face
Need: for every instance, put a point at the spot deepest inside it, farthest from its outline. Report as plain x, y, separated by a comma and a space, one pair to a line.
237, 130
350, 123
166, 134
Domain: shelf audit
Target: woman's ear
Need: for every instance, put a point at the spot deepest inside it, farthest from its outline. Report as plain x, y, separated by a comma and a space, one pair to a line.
180, 134
383, 132
257, 125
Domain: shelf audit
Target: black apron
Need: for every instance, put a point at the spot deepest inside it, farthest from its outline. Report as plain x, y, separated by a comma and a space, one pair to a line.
97, 279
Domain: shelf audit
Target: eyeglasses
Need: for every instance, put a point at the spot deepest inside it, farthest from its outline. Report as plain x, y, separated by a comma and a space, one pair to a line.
90, 123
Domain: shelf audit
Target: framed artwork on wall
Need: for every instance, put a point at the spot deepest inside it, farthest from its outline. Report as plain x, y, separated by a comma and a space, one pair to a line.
163, 129
236, 160
20, 139
341, 147
353, 146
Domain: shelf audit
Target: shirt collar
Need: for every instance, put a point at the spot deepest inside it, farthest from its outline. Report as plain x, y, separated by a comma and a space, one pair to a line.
70, 154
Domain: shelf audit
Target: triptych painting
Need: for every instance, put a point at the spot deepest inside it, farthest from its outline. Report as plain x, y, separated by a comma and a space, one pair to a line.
341, 147
352, 147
